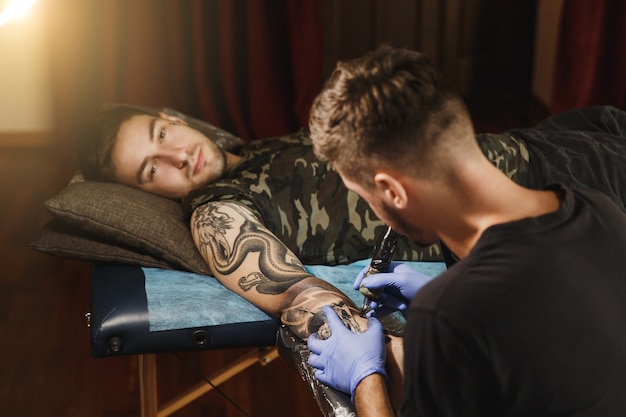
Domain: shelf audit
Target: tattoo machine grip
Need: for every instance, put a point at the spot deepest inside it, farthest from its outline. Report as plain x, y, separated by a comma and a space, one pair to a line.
381, 258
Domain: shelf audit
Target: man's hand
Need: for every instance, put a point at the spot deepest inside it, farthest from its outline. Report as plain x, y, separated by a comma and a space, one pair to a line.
345, 358
399, 287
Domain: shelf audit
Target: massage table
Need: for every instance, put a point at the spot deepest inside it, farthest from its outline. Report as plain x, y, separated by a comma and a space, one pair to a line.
143, 311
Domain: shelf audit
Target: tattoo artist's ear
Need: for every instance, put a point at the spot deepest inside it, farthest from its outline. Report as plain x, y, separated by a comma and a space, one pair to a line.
392, 188
172, 118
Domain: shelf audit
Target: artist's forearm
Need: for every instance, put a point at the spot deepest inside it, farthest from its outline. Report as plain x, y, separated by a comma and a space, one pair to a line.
371, 398
251, 261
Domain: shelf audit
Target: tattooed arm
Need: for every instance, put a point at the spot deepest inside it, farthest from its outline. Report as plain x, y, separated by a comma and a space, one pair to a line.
251, 261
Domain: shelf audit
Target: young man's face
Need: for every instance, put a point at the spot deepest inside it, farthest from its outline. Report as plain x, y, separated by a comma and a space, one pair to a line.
164, 156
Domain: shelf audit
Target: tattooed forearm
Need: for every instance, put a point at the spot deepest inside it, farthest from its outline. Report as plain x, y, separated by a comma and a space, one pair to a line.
305, 314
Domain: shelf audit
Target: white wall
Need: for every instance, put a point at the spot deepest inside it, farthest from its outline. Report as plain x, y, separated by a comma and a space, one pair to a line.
25, 92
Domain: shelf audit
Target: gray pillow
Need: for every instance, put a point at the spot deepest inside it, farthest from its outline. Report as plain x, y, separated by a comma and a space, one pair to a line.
122, 217
60, 239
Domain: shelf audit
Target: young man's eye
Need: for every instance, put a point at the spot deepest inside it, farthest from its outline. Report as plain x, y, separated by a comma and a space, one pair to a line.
152, 171
162, 133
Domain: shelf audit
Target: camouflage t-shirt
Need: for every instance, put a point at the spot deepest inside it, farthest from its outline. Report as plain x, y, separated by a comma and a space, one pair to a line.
305, 204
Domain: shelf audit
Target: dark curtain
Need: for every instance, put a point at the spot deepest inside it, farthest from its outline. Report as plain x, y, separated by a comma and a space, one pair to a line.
251, 67
591, 57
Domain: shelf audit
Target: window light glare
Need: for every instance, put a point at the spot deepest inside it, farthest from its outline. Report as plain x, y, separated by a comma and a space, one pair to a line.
14, 9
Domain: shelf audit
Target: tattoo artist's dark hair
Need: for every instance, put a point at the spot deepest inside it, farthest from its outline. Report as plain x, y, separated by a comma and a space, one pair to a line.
389, 107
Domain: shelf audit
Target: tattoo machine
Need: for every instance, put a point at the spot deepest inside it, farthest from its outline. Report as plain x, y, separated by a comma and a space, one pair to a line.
381, 258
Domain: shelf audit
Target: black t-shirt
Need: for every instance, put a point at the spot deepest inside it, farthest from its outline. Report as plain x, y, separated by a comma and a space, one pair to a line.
531, 323
582, 148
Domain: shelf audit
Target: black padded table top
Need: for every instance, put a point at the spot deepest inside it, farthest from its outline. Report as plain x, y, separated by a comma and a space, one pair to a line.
120, 319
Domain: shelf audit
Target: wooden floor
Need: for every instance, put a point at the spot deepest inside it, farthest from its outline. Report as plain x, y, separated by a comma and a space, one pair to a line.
45, 364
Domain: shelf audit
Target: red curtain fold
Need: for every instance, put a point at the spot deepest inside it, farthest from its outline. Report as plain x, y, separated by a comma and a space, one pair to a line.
590, 65
305, 21
251, 67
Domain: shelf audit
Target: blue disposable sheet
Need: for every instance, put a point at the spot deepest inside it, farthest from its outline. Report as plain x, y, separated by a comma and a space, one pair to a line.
179, 300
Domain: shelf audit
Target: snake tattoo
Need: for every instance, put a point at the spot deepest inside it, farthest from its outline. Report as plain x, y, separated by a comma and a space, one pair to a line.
278, 269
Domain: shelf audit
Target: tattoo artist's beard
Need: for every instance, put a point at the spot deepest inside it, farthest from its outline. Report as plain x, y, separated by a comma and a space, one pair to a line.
404, 227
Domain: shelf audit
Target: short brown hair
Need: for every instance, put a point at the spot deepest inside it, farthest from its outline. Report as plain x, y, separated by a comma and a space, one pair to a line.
98, 139
387, 107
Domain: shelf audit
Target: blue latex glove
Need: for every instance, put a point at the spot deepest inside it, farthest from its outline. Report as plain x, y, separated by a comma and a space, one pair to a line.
399, 286
345, 358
